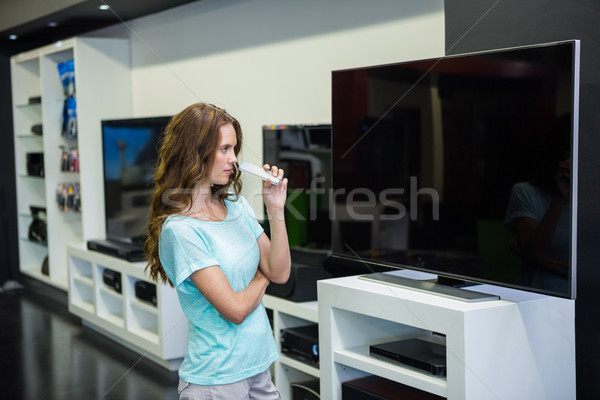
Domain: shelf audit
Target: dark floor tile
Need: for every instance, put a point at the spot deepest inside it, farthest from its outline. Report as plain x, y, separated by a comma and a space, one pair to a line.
46, 354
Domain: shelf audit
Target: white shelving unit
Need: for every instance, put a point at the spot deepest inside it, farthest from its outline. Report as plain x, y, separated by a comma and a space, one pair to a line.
103, 91
159, 332
289, 314
519, 347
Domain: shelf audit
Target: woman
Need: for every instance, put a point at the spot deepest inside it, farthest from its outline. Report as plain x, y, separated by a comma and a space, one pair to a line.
205, 241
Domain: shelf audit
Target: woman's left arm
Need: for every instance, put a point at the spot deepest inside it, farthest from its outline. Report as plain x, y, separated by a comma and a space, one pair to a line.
275, 259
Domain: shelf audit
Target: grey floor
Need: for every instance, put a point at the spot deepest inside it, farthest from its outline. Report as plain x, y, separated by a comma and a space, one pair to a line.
45, 353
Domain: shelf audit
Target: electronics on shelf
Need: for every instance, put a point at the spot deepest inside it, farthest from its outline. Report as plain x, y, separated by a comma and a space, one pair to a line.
302, 343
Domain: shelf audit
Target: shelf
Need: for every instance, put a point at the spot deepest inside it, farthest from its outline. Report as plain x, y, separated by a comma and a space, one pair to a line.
359, 358
299, 365
84, 306
28, 105
44, 278
107, 290
142, 305
84, 281
40, 244
494, 349
116, 320
146, 335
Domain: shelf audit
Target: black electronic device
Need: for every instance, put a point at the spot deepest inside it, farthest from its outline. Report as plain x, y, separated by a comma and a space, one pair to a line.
38, 228
374, 387
37, 129
146, 291
127, 251
129, 155
112, 279
302, 343
418, 353
301, 285
35, 164
419, 164
306, 390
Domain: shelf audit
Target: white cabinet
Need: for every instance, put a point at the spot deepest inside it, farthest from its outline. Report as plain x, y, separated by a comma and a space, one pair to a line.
289, 314
103, 91
157, 331
519, 347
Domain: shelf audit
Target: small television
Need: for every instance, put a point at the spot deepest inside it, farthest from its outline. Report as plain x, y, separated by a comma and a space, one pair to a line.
433, 162
304, 153
130, 148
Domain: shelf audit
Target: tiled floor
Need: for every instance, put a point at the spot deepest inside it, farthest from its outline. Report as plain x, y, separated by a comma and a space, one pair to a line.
46, 354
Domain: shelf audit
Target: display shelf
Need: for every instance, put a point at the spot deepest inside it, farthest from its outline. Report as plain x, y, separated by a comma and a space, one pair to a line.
359, 359
289, 314
299, 365
35, 74
157, 332
144, 305
521, 346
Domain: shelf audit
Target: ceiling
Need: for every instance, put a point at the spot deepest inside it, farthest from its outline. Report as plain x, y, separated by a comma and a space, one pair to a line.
81, 17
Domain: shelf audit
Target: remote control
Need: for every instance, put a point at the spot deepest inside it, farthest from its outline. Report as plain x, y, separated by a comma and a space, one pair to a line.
258, 172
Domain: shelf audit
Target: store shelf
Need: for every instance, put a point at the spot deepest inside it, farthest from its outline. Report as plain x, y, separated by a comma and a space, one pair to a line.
494, 349
35, 74
289, 314
359, 358
159, 332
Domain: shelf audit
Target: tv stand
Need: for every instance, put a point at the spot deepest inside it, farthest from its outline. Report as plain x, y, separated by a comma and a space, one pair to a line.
431, 287
520, 347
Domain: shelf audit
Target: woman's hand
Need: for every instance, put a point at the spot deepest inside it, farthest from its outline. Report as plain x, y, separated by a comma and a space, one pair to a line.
274, 196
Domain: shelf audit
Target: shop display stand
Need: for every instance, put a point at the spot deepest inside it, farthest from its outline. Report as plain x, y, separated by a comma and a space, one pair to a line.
289, 314
158, 332
102, 85
519, 347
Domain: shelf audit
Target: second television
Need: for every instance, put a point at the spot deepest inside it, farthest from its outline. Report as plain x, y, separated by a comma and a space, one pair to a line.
129, 154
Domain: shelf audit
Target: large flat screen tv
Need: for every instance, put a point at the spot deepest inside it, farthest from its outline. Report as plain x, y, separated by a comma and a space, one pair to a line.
462, 166
129, 155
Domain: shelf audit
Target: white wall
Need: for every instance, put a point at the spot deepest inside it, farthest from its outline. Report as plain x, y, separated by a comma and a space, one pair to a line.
270, 61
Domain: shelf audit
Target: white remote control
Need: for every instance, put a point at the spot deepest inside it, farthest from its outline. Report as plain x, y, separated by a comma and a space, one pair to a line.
258, 172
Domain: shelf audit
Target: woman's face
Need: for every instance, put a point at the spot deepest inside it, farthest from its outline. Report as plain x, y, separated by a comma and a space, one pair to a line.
225, 157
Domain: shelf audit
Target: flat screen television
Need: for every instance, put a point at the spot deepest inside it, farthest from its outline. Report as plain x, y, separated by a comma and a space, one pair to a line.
129, 155
304, 152
462, 166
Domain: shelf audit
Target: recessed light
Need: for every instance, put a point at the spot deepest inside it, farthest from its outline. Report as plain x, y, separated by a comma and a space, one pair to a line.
13, 37
52, 24
104, 7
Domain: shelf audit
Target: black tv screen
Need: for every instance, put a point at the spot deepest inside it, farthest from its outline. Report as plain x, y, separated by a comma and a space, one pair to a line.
463, 166
304, 152
129, 156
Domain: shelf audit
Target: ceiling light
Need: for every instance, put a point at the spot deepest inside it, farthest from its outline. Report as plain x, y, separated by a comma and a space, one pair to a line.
104, 7
13, 37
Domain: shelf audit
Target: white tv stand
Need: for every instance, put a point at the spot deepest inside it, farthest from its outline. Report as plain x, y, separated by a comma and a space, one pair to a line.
519, 347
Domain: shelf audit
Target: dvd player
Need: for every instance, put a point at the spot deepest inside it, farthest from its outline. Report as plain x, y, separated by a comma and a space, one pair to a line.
417, 353
302, 343
127, 251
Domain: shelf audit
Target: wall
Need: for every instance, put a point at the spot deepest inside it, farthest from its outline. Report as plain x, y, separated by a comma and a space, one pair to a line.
487, 24
269, 61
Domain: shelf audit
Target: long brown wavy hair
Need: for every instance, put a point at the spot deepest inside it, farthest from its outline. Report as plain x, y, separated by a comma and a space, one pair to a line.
185, 158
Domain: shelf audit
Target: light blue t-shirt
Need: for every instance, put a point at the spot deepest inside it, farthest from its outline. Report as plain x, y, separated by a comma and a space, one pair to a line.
219, 351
